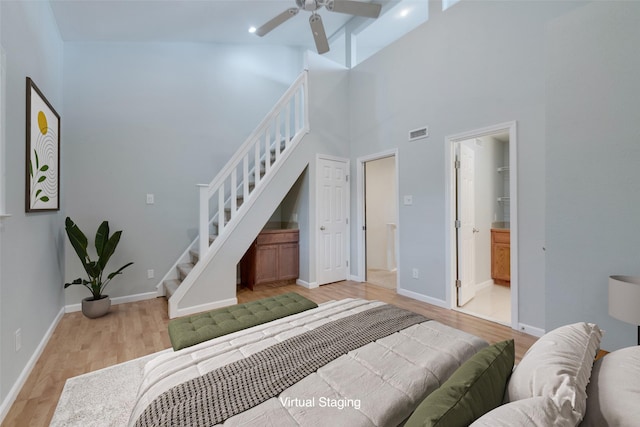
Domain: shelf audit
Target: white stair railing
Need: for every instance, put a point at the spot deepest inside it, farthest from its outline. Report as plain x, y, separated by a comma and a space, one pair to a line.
253, 161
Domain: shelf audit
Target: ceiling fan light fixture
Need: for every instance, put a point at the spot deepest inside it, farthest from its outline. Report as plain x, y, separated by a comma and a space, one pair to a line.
309, 5
350, 7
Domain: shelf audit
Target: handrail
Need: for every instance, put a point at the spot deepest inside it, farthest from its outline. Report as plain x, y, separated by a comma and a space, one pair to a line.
272, 137
244, 148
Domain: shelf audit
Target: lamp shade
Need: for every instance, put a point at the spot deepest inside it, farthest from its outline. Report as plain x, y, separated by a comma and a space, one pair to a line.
624, 298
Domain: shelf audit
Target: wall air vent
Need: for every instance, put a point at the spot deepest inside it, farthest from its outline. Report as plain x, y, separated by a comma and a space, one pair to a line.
419, 133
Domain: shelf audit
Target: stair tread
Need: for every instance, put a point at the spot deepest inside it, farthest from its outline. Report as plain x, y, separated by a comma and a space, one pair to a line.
185, 268
185, 265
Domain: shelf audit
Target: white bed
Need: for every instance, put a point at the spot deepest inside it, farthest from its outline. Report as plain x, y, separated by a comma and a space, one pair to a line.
379, 384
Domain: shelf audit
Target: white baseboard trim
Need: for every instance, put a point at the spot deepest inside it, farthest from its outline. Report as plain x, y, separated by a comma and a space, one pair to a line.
115, 301
531, 330
429, 300
203, 307
17, 386
307, 285
160, 290
484, 285
355, 278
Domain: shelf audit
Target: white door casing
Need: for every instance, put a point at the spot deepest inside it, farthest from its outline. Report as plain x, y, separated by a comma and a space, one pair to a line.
361, 213
466, 217
333, 223
451, 143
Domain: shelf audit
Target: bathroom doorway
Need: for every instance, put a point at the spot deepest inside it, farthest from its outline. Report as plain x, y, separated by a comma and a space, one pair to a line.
482, 260
378, 206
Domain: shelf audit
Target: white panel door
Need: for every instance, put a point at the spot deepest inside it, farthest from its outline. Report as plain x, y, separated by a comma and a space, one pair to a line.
332, 193
466, 216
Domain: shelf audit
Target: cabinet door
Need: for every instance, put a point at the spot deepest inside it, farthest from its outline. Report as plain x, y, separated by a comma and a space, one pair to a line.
288, 258
501, 263
266, 264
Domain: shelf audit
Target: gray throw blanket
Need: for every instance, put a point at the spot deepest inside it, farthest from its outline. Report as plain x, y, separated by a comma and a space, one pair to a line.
224, 392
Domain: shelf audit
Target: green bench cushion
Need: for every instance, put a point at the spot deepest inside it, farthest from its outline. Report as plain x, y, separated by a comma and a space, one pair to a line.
187, 331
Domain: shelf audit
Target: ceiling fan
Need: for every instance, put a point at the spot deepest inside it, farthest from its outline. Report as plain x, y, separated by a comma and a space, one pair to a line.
368, 10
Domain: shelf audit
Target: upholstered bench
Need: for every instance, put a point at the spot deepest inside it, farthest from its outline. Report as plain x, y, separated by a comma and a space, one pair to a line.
191, 330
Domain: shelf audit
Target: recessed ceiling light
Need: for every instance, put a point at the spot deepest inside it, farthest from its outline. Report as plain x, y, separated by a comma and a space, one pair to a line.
252, 29
404, 12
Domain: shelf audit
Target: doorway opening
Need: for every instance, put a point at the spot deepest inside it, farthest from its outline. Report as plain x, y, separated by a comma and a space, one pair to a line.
377, 202
483, 218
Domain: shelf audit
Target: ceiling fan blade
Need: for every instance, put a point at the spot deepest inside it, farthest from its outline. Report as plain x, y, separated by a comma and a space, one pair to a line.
368, 10
284, 16
319, 36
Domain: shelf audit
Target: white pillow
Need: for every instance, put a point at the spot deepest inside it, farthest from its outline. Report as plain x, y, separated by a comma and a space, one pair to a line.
558, 366
537, 411
614, 390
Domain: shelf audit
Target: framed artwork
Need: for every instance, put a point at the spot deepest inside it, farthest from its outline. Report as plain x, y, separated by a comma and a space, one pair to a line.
43, 153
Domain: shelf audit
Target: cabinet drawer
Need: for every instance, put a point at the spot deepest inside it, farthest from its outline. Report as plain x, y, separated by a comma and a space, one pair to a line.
500, 236
277, 236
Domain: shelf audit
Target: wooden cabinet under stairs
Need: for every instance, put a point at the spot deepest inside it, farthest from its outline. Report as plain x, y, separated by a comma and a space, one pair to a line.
272, 259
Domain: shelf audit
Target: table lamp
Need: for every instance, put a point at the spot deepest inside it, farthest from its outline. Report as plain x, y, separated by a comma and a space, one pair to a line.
624, 299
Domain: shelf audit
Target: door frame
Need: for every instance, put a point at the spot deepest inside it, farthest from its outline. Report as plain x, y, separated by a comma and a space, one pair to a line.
361, 220
347, 196
450, 189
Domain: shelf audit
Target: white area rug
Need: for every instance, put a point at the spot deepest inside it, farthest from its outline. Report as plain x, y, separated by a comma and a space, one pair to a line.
101, 398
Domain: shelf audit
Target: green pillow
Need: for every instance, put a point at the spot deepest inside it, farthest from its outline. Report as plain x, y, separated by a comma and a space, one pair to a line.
475, 388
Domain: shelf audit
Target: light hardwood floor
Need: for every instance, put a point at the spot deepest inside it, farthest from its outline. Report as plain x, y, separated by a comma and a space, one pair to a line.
80, 345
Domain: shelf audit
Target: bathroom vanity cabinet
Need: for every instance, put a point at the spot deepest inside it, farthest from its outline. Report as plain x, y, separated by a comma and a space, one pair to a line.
501, 256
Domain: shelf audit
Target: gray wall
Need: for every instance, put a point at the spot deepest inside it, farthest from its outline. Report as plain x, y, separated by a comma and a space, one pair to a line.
474, 65
157, 118
31, 294
593, 163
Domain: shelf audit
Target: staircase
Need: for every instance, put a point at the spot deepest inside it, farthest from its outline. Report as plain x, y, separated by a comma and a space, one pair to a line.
184, 268
225, 218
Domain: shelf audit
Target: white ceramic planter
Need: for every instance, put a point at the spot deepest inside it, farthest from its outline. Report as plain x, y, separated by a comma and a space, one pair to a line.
96, 308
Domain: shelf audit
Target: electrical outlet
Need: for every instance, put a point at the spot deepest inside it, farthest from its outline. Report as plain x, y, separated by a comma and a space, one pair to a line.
414, 273
18, 339
151, 274
408, 200
150, 199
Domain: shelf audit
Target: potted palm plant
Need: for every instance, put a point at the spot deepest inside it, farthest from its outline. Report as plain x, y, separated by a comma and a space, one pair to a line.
97, 304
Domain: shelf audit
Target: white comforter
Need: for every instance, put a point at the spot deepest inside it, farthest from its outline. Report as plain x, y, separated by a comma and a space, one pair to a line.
379, 384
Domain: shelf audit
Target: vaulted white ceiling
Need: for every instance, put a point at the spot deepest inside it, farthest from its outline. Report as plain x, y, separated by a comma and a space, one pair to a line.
210, 21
